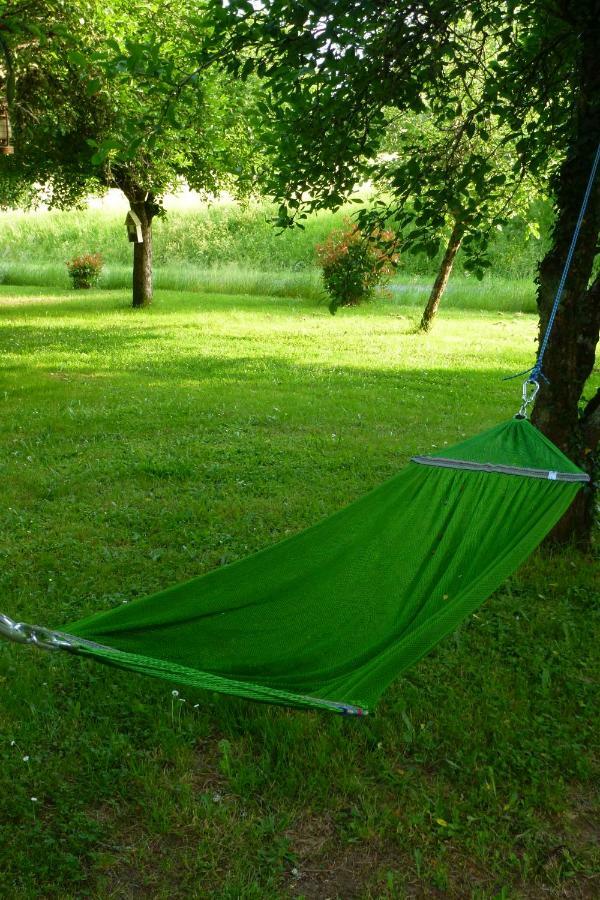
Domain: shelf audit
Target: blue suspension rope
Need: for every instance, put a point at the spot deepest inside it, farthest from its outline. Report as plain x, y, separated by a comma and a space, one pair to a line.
536, 372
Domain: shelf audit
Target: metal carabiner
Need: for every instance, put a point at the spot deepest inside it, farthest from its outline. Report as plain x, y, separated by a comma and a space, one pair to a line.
21, 633
528, 397
11, 630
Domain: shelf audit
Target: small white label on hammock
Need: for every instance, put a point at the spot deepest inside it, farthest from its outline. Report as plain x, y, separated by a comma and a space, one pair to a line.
552, 476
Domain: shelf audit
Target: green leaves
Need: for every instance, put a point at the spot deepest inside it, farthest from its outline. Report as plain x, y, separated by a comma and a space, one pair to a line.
77, 58
93, 86
104, 150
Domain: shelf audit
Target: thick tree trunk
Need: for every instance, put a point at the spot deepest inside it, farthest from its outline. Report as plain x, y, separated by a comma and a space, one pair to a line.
441, 281
569, 359
568, 364
142, 257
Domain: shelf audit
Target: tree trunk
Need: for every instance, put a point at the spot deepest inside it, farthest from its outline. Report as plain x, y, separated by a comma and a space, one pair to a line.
145, 206
570, 356
443, 275
142, 256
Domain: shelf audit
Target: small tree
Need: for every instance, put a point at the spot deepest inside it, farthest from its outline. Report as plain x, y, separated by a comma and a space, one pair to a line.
147, 148
450, 186
121, 134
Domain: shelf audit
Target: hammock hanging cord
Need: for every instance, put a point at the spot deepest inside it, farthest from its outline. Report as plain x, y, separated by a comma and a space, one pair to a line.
536, 372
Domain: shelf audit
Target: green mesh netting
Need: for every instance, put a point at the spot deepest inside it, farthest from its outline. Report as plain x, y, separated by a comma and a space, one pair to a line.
330, 617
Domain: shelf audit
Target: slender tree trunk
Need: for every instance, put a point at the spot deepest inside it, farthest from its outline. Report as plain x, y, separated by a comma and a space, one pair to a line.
145, 206
142, 257
570, 356
441, 281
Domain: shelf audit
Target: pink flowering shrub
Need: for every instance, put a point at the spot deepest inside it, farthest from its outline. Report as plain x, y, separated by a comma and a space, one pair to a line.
354, 264
84, 271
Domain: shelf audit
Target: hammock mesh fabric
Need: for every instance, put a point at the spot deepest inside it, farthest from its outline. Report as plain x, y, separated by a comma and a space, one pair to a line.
329, 617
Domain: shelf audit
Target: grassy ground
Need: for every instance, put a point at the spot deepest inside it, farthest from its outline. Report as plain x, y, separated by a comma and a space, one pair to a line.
141, 448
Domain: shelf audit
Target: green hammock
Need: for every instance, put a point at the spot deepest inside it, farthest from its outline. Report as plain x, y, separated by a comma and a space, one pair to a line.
329, 617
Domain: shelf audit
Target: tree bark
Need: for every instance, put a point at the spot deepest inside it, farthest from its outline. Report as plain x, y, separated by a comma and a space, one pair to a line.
145, 205
441, 281
142, 257
570, 356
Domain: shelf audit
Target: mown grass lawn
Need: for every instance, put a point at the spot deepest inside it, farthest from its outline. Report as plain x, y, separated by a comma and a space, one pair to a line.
141, 448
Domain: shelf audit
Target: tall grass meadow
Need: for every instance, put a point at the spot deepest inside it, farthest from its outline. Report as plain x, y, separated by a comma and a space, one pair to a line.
223, 247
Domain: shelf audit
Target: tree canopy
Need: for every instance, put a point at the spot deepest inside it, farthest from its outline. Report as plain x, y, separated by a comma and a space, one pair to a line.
44, 90
441, 182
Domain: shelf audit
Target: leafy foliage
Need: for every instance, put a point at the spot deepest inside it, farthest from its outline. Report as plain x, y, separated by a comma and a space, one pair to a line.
44, 88
148, 146
484, 85
435, 173
122, 134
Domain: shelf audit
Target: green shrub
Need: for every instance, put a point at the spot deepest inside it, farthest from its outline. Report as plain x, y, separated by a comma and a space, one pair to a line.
354, 264
84, 271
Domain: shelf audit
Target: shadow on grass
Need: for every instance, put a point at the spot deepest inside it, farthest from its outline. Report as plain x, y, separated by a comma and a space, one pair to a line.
92, 355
